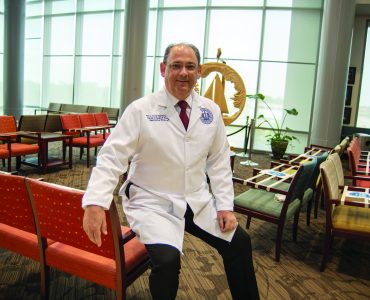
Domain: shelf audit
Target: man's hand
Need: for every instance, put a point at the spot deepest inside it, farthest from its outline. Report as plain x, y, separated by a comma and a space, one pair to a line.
94, 223
226, 220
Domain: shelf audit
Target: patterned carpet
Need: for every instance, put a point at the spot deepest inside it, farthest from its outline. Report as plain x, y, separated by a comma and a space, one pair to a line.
202, 276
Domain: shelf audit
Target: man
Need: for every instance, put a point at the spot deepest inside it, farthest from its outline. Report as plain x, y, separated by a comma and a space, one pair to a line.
174, 137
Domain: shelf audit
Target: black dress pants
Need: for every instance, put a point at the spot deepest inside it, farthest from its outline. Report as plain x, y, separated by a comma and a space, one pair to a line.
236, 255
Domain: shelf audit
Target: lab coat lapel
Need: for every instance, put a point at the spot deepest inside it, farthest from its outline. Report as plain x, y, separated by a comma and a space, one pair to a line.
166, 106
195, 111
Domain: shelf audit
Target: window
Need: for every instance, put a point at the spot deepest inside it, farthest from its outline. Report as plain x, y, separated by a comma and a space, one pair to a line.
73, 52
364, 105
1, 55
273, 45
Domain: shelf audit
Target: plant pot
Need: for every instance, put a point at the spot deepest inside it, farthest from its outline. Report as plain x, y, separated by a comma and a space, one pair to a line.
278, 148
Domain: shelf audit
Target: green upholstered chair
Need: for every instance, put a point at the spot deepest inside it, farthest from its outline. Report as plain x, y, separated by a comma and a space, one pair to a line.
313, 190
341, 220
263, 203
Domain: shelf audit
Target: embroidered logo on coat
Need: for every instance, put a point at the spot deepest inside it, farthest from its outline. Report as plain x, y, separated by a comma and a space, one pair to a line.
157, 118
207, 116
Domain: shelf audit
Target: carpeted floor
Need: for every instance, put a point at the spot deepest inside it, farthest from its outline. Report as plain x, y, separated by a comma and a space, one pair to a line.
202, 276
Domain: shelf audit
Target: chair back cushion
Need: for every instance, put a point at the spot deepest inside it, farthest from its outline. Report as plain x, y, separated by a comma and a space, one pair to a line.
15, 207
32, 123
87, 120
60, 216
302, 180
112, 113
53, 123
330, 180
94, 109
335, 159
101, 119
74, 108
70, 122
7, 124
54, 107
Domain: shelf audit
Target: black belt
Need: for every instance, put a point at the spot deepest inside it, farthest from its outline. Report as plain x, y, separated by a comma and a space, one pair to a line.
127, 190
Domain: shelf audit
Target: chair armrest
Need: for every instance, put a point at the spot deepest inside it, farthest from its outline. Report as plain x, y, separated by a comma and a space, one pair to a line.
238, 180
129, 235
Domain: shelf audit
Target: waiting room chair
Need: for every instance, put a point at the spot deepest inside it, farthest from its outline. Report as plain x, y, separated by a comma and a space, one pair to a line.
94, 109
17, 225
113, 114
274, 204
341, 220
53, 123
312, 193
12, 143
81, 136
119, 261
34, 123
53, 108
359, 164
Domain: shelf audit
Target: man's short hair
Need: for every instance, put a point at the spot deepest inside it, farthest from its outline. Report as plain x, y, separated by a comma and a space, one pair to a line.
169, 47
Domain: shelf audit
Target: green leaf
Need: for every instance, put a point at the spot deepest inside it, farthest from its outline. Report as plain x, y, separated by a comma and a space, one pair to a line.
257, 96
292, 111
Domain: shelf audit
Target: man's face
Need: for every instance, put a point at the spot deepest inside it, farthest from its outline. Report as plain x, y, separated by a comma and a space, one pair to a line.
181, 71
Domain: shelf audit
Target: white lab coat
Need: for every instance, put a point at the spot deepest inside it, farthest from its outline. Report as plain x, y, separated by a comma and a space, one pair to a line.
168, 168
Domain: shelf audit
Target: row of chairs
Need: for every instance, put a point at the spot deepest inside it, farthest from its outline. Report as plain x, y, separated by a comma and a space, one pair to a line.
11, 142
24, 138
280, 193
43, 221
359, 163
63, 108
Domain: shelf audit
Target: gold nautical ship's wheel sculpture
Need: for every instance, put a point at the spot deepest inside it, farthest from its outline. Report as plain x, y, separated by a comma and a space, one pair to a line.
216, 90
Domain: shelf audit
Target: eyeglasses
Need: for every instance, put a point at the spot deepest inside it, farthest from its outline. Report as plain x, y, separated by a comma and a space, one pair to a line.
177, 67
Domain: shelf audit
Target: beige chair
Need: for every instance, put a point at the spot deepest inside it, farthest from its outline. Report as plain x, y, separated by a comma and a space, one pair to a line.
341, 220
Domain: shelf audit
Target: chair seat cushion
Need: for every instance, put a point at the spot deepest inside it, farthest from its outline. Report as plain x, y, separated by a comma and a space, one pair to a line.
3, 153
265, 202
93, 267
363, 183
19, 241
82, 141
351, 218
24, 149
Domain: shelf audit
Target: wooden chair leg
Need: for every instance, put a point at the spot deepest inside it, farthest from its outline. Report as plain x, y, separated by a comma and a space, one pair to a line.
249, 219
3, 162
64, 151
9, 164
317, 200
279, 236
308, 212
81, 152
295, 226
88, 157
328, 239
18, 162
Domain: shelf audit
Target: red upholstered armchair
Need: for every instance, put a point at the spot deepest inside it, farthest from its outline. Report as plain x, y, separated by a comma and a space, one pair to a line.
17, 227
82, 137
119, 261
11, 142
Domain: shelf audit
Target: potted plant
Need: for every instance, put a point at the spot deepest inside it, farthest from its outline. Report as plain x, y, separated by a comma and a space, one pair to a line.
279, 139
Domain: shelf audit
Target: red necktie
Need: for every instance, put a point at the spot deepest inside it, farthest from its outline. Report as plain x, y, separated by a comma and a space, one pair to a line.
183, 115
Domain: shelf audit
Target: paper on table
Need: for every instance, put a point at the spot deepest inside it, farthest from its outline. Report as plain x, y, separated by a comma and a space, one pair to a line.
273, 173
